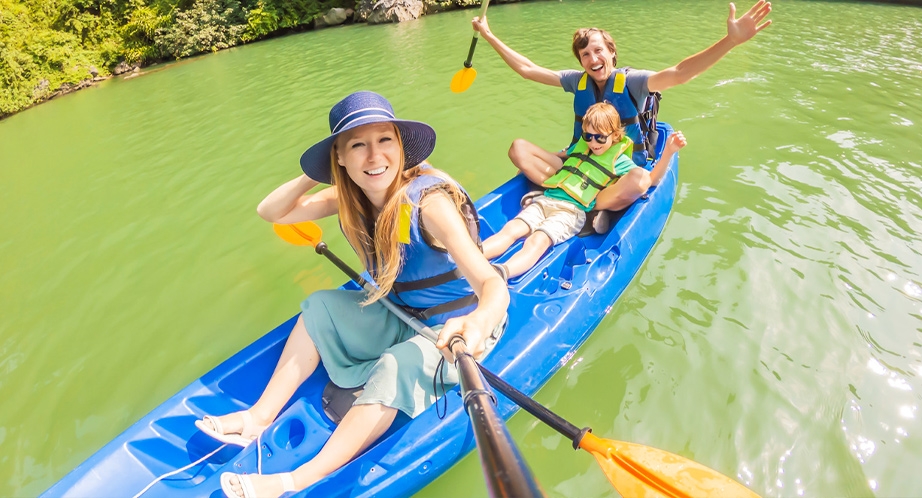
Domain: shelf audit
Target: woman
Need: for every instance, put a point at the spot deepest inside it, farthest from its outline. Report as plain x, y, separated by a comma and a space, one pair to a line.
415, 231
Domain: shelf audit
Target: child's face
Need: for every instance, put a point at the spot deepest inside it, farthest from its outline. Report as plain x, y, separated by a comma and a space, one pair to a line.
594, 145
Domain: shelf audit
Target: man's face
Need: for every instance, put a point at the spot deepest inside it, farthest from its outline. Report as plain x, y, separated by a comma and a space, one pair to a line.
596, 59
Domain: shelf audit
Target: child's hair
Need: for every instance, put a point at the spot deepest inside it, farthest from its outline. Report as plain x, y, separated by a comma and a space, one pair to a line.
581, 41
605, 119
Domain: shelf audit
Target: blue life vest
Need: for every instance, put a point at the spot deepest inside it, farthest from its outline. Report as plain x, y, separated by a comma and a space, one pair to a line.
430, 284
636, 127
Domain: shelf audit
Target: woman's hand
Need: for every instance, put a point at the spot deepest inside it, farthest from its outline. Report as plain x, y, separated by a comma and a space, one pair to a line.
676, 141
480, 25
470, 328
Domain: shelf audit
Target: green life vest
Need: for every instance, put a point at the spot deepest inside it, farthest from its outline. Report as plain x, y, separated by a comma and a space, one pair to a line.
583, 176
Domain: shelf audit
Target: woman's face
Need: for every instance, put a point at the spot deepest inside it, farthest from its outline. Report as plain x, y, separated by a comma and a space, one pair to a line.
371, 156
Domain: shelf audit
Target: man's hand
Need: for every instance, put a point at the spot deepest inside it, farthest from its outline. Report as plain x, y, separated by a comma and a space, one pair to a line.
741, 30
480, 25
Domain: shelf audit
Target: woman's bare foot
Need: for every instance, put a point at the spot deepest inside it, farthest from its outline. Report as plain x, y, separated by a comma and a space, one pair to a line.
235, 428
256, 485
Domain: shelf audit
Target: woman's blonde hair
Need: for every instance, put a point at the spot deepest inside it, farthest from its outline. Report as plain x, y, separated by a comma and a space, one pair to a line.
605, 119
375, 240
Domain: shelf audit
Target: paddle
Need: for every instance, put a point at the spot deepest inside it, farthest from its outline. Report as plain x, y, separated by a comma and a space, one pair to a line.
462, 80
633, 469
504, 469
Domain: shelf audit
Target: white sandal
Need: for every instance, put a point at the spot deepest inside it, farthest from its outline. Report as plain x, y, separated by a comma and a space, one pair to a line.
246, 484
212, 426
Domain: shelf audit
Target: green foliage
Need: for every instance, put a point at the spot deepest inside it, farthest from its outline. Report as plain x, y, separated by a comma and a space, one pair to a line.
139, 32
208, 25
35, 59
50, 45
261, 21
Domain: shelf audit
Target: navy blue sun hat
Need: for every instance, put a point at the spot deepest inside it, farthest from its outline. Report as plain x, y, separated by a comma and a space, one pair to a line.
361, 108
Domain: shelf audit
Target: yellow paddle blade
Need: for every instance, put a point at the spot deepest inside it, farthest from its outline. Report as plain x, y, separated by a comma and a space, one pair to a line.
462, 80
637, 470
305, 233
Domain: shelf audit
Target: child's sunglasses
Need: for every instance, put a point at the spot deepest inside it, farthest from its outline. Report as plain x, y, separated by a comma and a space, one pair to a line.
598, 137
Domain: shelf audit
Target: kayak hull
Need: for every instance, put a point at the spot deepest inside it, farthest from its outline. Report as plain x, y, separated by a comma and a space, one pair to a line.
554, 308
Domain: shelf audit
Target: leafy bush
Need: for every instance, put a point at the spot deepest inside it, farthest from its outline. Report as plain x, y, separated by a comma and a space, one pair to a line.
47, 45
261, 21
208, 25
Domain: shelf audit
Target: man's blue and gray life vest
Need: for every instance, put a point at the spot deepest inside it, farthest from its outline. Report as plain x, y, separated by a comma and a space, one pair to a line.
640, 128
430, 284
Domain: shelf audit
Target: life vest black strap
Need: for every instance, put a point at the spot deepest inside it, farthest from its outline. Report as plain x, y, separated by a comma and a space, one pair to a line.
463, 302
590, 160
425, 283
586, 179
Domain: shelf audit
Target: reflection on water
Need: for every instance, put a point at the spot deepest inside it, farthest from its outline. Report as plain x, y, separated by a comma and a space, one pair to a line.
774, 334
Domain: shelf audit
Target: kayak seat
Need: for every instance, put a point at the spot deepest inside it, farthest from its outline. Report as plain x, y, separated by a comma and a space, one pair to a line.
337, 401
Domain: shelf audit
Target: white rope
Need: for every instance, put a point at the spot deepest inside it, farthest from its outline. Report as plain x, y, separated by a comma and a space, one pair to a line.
174, 472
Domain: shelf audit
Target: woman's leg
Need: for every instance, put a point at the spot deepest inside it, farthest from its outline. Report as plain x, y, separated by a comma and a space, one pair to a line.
361, 426
497, 244
535, 246
298, 361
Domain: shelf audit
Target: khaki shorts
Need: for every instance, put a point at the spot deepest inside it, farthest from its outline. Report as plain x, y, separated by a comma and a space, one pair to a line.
559, 220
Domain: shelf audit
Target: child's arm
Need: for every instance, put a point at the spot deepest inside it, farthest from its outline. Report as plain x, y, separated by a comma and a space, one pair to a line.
675, 142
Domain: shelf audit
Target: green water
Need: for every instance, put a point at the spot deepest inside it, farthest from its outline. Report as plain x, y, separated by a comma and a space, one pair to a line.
775, 333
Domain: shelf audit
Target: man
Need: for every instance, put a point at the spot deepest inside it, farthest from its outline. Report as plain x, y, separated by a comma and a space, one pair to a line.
597, 55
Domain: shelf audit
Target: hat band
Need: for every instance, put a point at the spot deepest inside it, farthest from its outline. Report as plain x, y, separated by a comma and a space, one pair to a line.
361, 114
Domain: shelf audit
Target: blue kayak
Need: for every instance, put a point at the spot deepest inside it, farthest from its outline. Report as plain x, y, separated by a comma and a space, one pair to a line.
553, 310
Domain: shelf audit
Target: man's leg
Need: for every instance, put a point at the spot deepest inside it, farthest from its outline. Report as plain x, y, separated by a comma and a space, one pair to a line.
536, 163
625, 191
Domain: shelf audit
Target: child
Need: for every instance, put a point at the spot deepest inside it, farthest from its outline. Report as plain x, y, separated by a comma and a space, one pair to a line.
598, 159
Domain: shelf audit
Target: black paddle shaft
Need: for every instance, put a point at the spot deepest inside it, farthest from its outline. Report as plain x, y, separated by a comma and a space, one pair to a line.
470, 53
531, 406
504, 469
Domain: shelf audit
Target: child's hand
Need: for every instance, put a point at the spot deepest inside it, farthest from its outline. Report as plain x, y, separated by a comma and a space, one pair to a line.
676, 141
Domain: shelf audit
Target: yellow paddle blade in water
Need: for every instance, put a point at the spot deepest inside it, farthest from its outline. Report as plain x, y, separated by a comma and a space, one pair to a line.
462, 80
641, 471
305, 233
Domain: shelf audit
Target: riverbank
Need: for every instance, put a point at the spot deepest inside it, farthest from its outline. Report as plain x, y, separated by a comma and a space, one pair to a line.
53, 53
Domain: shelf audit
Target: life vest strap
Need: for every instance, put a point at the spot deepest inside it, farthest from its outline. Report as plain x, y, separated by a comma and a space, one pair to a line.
586, 158
425, 283
462, 302
586, 179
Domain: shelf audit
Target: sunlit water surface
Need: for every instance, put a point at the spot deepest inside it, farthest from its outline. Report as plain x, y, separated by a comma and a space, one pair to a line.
775, 333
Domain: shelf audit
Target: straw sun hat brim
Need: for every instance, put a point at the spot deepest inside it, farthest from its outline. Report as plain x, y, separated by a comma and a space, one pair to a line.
418, 143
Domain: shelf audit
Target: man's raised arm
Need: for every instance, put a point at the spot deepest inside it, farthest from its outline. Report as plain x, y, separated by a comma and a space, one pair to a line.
739, 31
518, 62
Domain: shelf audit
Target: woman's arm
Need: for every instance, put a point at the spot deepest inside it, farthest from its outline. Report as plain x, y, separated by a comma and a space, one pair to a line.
675, 142
739, 31
290, 202
442, 220
518, 62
